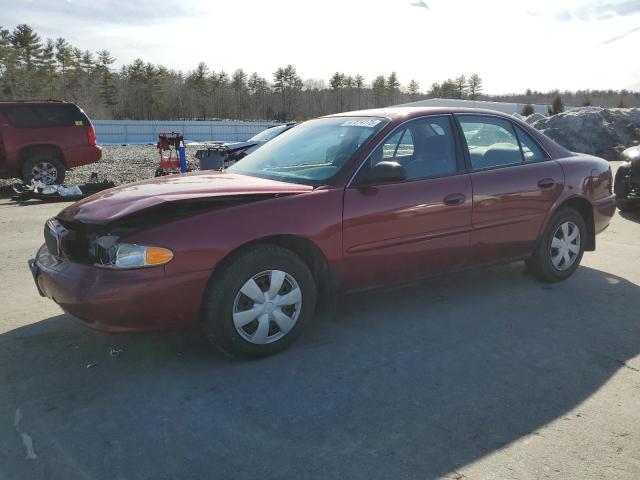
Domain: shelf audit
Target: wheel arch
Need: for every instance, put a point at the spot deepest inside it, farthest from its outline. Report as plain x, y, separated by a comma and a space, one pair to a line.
306, 249
584, 207
30, 150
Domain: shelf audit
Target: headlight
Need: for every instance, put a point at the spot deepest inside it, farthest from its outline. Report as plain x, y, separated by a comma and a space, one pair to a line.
109, 253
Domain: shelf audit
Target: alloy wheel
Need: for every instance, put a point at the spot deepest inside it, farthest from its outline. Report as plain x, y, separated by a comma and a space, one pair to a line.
565, 246
44, 172
267, 307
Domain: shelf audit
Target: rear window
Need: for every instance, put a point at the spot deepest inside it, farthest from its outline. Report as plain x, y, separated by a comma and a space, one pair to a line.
38, 116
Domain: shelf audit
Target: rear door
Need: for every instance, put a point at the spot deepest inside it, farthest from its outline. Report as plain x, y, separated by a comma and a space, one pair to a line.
411, 229
515, 183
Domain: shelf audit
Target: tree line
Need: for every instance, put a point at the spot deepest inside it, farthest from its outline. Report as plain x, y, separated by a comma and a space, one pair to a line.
36, 68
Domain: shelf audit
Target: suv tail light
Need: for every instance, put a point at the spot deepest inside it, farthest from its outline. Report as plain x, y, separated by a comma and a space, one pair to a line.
91, 135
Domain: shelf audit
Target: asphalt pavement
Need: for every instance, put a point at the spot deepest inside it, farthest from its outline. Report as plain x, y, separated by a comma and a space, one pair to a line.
485, 374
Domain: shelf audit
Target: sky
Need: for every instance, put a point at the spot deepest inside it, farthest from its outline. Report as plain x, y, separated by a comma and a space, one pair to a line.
512, 44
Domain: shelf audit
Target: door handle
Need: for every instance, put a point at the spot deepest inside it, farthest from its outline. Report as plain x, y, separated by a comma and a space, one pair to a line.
546, 183
454, 199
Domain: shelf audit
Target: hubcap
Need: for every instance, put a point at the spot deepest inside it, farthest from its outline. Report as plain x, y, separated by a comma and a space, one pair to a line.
565, 246
44, 172
267, 307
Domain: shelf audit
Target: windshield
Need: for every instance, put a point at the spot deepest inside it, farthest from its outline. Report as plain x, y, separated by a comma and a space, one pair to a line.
312, 152
268, 134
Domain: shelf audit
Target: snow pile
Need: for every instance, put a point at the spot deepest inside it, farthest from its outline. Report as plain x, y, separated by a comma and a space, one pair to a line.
604, 132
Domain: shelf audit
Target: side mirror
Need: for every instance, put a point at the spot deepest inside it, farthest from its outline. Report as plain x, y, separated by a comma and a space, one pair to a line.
385, 172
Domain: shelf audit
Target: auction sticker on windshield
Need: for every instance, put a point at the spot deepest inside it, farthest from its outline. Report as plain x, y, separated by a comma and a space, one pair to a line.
361, 122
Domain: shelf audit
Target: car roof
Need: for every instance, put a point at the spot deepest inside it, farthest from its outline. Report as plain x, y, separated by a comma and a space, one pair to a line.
18, 103
400, 113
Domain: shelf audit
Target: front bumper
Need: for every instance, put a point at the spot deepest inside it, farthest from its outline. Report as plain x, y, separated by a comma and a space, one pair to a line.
120, 300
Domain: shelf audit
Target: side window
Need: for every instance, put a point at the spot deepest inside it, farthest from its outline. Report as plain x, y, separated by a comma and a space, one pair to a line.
55, 116
492, 142
425, 148
37, 116
530, 149
400, 144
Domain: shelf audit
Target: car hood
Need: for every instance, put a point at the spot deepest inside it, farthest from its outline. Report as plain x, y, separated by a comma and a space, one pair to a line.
116, 203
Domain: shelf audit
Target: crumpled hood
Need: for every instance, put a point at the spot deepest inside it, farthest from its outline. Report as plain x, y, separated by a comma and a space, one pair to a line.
116, 203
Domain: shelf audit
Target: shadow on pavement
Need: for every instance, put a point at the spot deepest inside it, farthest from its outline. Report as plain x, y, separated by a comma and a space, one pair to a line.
415, 382
632, 215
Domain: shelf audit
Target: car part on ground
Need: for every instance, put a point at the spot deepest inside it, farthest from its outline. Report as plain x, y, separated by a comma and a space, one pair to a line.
251, 246
627, 181
59, 193
41, 140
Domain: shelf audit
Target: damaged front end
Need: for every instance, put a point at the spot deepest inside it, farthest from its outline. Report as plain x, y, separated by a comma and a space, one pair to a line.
105, 246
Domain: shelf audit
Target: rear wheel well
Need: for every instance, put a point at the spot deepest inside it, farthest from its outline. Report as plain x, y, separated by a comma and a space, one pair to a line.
585, 209
33, 150
308, 251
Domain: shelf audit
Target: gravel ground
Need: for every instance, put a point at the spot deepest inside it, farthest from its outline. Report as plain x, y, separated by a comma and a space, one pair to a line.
119, 163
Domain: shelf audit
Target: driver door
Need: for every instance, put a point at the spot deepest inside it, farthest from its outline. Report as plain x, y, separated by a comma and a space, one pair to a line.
398, 232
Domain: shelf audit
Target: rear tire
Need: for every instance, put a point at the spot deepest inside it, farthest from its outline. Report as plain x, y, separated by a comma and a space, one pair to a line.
242, 320
560, 250
620, 187
45, 168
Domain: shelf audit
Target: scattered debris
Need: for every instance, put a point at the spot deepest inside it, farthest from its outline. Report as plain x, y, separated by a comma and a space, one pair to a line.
27, 441
114, 352
59, 193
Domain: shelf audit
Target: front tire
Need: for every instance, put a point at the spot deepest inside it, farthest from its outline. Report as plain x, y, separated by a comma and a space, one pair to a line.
260, 302
560, 250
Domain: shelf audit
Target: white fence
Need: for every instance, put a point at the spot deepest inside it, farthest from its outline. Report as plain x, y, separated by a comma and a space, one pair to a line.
146, 131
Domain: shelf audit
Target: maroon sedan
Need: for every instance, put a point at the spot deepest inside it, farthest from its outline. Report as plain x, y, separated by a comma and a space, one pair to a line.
338, 204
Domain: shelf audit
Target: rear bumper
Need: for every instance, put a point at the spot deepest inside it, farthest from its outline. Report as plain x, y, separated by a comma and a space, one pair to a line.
603, 211
83, 155
120, 300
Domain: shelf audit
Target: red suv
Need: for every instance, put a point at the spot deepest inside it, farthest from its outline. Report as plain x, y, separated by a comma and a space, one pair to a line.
41, 140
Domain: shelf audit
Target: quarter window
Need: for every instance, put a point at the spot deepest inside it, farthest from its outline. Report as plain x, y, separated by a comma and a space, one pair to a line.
530, 149
425, 148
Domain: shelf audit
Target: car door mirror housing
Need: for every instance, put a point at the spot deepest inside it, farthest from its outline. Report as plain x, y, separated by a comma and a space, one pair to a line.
384, 172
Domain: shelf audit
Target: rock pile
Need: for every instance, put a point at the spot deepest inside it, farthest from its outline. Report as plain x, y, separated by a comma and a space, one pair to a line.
604, 132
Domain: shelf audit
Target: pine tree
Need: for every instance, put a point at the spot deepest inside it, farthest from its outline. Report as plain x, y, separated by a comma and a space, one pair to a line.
107, 89
358, 83
378, 89
461, 86
475, 86
413, 88
393, 88
63, 56
557, 106
28, 43
48, 65
527, 110
239, 86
